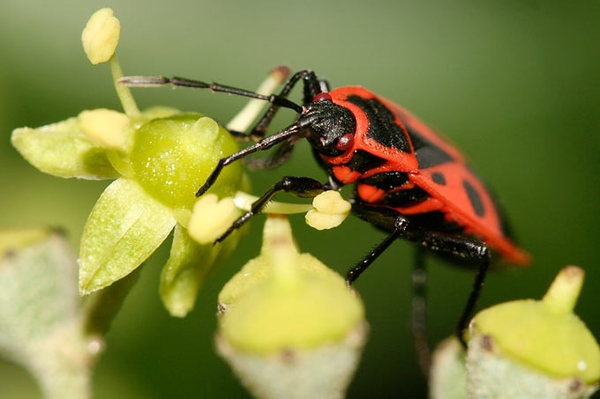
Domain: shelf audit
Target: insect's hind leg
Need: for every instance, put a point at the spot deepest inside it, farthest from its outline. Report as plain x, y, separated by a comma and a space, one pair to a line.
459, 248
467, 314
419, 303
419, 310
455, 246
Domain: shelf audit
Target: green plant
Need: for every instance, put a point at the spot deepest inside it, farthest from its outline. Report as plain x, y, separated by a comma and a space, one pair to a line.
158, 158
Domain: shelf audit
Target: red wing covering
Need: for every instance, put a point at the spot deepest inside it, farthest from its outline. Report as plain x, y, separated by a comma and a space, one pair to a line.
482, 220
466, 199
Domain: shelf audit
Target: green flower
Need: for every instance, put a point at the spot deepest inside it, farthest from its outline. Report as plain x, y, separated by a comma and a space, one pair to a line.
523, 349
159, 158
289, 326
544, 335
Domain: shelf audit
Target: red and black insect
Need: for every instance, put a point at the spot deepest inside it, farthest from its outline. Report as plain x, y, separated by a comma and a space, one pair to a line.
408, 180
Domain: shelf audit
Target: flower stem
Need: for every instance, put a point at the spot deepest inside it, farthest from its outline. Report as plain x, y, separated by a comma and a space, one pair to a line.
127, 101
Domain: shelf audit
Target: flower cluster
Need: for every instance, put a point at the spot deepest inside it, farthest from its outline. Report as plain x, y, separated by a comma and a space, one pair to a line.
158, 158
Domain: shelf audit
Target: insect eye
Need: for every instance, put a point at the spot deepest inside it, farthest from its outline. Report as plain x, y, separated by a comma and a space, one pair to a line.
345, 142
322, 97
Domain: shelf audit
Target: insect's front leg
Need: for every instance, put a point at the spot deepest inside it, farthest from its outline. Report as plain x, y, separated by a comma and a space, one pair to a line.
262, 145
302, 187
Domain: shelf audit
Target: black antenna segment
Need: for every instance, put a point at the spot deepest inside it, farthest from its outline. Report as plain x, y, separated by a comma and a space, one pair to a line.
155, 81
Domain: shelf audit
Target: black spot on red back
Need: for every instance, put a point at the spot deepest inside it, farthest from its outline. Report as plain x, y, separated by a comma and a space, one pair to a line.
474, 198
427, 153
438, 178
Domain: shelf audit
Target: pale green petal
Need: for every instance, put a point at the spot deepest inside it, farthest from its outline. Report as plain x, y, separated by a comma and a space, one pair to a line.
189, 265
125, 227
62, 150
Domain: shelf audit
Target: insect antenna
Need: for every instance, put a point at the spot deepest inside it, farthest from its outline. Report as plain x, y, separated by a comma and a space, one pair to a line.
156, 81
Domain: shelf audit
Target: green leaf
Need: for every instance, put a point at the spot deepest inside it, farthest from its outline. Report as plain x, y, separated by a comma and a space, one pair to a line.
189, 265
62, 150
40, 313
125, 227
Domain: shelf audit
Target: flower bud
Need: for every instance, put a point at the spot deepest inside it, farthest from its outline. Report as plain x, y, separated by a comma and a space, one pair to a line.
541, 345
289, 326
330, 210
101, 36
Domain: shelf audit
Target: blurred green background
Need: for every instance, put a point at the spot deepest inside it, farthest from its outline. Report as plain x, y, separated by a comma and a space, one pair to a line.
513, 83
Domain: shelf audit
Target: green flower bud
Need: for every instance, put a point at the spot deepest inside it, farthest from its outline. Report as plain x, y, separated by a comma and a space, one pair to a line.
101, 36
286, 305
330, 210
541, 345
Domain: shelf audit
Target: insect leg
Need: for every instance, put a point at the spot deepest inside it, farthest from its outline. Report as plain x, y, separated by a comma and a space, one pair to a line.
456, 247
400, 226
282, 154
467, 314
302, 187
262, 145
463, 249
311, 88
155, 81
419, 310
